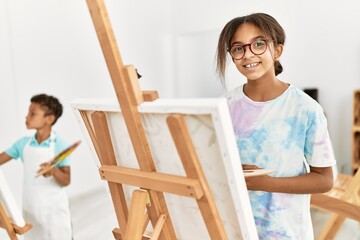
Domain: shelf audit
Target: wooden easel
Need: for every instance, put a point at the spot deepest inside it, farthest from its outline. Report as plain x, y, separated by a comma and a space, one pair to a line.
343, 201
11, 228
147, 203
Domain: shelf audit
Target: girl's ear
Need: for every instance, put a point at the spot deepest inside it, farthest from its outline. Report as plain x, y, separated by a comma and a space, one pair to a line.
278, 51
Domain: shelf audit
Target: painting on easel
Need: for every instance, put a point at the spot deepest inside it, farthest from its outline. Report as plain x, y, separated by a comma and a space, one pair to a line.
210, 130
11, 218
172, 166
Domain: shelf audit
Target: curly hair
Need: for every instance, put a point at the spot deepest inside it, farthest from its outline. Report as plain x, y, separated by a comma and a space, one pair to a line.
266, 23
50, 104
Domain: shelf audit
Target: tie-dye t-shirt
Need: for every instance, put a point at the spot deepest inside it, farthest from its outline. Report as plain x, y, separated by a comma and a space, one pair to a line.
282, 135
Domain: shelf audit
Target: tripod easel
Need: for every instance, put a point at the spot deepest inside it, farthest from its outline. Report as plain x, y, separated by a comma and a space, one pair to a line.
11, 228
148, 202
9, 210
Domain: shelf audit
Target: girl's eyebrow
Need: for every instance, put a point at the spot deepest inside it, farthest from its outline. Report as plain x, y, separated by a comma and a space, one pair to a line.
251, 40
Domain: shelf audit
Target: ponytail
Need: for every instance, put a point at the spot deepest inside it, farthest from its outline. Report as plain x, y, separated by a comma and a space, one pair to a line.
278, 68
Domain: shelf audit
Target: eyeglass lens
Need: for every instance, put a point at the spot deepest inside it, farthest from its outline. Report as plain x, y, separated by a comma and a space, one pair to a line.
257, 47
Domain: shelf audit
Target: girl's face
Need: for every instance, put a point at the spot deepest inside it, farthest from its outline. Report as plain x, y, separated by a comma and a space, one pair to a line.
36, 118
252, 66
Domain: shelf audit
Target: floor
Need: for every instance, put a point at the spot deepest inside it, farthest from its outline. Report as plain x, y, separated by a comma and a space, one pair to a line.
94, 218
349, 231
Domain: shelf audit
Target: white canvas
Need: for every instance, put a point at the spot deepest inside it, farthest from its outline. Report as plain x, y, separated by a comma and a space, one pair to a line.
8, 202
209, 124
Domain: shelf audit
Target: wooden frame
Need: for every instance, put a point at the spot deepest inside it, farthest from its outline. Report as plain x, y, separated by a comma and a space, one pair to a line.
190, 179
343, 201
207, 120
10, 216
356, 132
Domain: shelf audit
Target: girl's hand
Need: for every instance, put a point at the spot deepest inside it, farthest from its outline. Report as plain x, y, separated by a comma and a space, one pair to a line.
318, 180
254, 182
258, 183
249, 167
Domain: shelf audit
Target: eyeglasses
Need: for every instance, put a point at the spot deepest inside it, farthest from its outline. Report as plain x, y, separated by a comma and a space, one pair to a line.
257, 47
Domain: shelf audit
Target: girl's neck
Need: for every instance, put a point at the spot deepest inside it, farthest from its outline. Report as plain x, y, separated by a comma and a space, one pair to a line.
42, 134
262, 91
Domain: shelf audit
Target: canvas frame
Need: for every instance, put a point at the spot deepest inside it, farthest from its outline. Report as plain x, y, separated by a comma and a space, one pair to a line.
206, 119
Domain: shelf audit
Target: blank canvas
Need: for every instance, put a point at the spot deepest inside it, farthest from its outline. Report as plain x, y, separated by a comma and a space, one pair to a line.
210, 127
9, 203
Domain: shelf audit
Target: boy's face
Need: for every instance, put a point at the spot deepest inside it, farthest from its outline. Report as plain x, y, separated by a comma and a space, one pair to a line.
36, 118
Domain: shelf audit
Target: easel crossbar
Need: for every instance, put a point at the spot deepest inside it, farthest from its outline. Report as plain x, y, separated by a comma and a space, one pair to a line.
337, 206
161, 182
343, 201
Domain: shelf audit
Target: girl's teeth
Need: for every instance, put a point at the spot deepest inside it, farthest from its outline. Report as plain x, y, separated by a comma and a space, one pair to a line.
251, 65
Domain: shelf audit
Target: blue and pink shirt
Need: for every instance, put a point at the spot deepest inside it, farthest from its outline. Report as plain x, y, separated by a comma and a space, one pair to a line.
286, 135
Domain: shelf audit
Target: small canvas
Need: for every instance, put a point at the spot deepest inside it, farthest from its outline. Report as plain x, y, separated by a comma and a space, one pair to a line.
209, 124
8, 202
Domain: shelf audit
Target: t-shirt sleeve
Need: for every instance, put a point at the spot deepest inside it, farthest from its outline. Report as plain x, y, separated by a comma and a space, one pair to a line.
60, 146
318, 148
16, 150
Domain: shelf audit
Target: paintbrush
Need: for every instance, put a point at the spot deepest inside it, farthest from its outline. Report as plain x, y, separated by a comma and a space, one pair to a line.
58, 158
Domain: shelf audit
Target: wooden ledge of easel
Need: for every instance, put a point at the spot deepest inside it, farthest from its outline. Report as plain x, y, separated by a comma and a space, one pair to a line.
160, 182
22, 230
17, 229
338, 206
139, 96
150, 96
117, 233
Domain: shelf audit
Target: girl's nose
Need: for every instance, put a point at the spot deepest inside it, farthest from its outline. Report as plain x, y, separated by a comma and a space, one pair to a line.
248, 53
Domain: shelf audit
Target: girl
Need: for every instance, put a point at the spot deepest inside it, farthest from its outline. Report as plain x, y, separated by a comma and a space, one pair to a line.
277, 127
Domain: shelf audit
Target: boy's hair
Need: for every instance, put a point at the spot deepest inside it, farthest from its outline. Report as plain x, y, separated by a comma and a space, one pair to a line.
266, 23
51, 105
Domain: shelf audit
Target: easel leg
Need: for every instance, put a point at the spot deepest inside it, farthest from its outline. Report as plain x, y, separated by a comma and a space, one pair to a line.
129, 96
137, 215
332, 226
158, 227
192, 167
5, 223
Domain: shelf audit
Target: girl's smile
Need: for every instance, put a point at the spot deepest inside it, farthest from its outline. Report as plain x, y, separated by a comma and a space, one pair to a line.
251, 65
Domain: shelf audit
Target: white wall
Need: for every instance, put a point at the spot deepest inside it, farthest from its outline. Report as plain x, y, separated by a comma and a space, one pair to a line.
322, 51
51, 46
10, 117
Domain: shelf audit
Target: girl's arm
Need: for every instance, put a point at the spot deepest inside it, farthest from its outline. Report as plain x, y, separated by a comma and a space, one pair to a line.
61, 175
4, 158
318, 180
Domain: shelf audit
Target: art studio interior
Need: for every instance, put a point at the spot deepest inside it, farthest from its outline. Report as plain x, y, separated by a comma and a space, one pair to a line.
139, 86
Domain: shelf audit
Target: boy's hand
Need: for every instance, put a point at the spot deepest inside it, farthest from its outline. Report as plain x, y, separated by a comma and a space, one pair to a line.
48, 173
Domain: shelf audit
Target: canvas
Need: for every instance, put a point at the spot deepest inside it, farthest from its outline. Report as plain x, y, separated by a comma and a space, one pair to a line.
209, 124
9, 204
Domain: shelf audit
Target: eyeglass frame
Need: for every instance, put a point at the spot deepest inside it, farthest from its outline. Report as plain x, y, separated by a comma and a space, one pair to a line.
266, 40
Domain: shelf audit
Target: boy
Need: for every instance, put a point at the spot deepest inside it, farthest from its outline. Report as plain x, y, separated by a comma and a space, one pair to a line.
45, 204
